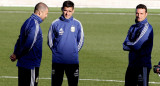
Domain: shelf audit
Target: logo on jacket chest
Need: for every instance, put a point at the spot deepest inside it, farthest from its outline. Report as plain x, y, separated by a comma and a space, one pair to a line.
72, 29
61, 31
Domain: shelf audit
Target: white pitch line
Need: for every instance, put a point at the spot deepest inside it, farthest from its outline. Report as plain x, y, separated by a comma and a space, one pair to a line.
77, 13
98, 80
61, 12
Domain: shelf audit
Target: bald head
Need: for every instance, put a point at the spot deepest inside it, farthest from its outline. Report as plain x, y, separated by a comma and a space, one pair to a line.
41, 10
40, 7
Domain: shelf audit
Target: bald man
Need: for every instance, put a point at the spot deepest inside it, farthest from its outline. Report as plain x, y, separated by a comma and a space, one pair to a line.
28, 48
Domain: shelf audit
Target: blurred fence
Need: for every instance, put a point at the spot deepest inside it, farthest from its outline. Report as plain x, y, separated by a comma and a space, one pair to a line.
154, 4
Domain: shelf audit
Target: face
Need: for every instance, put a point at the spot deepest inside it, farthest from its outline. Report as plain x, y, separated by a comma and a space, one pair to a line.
140, 14
67, 12
43, 14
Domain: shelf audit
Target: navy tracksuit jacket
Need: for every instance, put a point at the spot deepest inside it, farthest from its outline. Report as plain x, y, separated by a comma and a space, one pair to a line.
65, 39
139, 43
28, 48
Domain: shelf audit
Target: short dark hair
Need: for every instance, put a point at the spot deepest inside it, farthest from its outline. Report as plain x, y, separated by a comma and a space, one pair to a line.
67, 4
141, 6
40, 6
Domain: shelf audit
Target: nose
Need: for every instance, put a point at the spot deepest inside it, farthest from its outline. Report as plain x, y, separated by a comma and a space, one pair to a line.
67, 12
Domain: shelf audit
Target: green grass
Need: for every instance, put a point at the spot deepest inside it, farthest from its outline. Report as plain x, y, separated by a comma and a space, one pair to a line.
101, 57
90, 10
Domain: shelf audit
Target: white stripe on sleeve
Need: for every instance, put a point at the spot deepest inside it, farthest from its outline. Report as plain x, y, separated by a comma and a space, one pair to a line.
143, 32
36, 33
50, 37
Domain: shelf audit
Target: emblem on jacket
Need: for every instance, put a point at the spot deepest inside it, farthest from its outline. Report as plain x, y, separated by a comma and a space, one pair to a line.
61, 31
72, 29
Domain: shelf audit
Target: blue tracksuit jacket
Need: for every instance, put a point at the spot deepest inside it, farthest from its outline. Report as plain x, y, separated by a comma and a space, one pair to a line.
28, 48
139, 42
65, 39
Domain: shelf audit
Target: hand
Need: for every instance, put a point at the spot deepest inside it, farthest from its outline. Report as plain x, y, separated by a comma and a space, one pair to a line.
13, 57
158, 71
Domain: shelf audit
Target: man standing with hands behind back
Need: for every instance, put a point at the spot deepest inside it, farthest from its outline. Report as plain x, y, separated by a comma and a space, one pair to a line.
139, 43
28, 49
65, 39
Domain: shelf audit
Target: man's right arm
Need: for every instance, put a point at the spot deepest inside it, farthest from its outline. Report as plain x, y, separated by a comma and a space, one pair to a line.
125, 47
50, 37
144, 36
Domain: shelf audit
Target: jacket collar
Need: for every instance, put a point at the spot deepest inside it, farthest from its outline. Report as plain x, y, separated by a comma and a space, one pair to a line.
34, 16
66, 20
141, 23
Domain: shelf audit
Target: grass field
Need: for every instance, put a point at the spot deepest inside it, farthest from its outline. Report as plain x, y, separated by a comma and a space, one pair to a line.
102, 59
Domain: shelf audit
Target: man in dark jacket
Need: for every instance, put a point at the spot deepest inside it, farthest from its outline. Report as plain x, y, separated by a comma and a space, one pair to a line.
28, 49
139, 42
65, 39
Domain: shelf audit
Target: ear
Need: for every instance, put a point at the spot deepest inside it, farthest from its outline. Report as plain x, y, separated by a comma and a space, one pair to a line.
37, 12
146, 14
40, 13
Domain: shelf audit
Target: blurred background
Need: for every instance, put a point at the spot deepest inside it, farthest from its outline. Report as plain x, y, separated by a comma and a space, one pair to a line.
154, 4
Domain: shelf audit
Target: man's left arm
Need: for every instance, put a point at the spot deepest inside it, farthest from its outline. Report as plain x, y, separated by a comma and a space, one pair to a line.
80, 37
26, 39
30, 38
144, 36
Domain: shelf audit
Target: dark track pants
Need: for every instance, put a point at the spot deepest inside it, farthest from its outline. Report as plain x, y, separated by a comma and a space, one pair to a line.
137, 76
71, 71
28, 77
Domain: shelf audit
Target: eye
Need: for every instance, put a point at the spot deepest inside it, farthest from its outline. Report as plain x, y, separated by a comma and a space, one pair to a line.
65, 10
